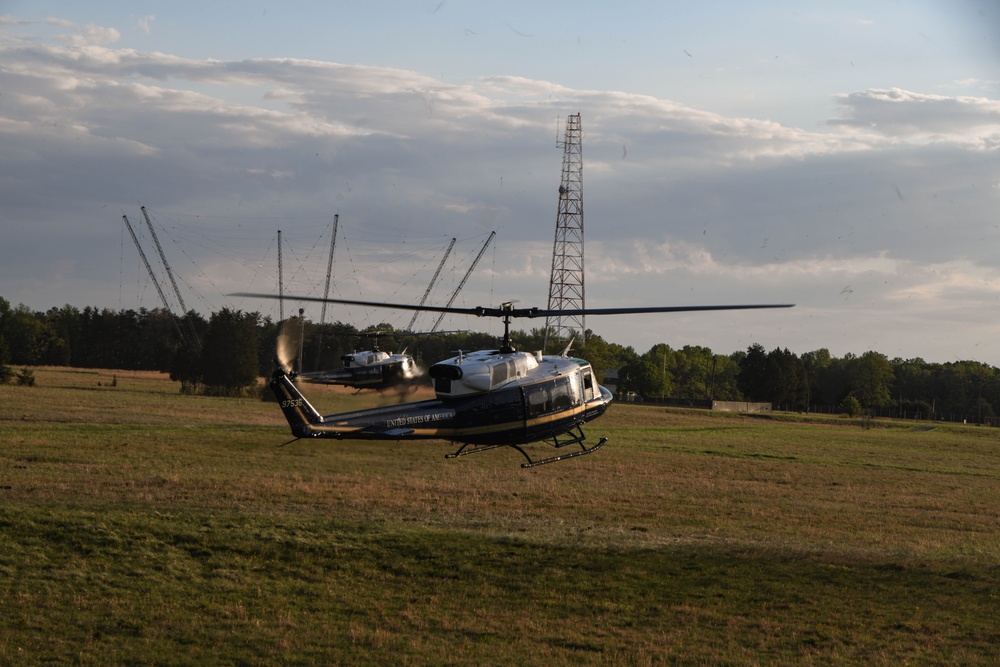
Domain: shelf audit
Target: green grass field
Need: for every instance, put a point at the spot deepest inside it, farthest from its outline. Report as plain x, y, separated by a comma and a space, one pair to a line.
140, 526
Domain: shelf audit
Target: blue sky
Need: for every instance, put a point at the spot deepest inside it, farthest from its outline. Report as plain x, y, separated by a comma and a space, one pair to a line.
842, 157
780, 60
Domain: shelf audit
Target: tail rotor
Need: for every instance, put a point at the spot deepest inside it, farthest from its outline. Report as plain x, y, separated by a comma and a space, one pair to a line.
287, 347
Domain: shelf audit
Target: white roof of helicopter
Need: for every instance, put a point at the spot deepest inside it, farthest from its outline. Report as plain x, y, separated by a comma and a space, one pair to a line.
370, 357
487, 370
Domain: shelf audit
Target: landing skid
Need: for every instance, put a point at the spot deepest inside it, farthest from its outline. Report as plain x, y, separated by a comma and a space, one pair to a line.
575, 438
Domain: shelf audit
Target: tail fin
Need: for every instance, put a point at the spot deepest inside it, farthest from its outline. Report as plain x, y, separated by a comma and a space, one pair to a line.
299, 413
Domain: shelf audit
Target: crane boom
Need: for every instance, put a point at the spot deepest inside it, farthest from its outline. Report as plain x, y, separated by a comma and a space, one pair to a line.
427, 292
466, 277
326, 288
170, 274
281, 284
163, 258
329, 268
152, 276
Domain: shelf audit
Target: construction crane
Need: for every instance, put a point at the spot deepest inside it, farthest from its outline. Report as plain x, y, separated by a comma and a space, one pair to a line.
170, 274
329, 268
427, 292
326, 288
466, 277
152, 276
281, 284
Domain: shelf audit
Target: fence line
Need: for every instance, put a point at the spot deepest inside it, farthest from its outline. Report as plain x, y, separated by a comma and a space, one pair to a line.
875, 413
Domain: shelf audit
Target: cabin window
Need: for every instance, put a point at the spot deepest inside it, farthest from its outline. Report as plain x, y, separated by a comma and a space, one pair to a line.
538, 399
547, 397
496, 407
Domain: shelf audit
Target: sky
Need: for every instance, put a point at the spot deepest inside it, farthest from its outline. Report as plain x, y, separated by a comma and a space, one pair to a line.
844, 157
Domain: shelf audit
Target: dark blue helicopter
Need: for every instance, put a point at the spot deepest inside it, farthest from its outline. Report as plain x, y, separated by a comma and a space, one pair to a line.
484, 399
372, 369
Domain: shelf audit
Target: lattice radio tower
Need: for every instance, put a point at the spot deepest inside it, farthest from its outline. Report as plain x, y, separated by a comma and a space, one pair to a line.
566, 283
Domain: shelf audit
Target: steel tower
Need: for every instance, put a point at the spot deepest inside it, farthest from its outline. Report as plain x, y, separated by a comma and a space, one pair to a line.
566, 283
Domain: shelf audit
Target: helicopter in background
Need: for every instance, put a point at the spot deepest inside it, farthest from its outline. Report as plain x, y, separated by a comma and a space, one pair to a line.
372, 369
484, 399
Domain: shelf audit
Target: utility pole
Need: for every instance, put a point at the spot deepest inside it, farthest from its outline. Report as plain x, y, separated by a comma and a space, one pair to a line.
566, 285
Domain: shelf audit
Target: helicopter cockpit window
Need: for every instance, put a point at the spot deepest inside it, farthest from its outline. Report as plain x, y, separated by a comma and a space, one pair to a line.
589, 389
564, 394
551, 397
576, 390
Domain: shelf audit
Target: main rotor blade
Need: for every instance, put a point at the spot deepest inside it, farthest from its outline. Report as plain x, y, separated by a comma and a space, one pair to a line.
370, 304
482, 311
657, 309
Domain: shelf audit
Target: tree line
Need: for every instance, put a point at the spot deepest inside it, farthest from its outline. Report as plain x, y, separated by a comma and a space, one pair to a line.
227, 353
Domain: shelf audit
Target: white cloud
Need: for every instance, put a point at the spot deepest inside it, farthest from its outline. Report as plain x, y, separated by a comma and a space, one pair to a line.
11, 21
921, 117
895, 200
82, 35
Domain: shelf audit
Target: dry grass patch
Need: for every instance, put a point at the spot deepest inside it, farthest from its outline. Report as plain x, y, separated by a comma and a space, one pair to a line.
137, 523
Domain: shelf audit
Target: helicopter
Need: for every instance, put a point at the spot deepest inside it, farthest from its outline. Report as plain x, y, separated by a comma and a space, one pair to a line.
484, 399
371, 369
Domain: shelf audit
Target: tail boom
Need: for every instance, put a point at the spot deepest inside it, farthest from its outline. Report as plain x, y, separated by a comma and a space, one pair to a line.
301, 415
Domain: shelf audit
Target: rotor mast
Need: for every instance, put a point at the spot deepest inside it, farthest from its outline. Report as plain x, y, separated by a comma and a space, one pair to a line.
566, 285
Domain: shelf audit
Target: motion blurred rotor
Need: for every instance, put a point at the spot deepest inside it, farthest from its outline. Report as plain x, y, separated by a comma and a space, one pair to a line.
287, 346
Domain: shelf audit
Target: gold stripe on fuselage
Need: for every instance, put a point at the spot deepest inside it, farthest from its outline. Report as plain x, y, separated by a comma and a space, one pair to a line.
458, 433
